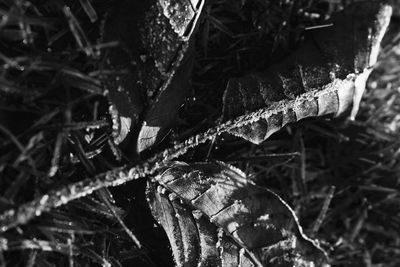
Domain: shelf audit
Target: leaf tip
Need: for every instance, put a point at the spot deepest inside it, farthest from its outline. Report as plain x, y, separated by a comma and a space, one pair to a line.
148, 136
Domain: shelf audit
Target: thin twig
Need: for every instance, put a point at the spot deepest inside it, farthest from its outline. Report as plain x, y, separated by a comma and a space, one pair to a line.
118, 176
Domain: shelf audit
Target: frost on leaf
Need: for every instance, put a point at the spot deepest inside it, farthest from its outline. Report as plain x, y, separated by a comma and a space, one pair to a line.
141, 69
214, 216
327, 74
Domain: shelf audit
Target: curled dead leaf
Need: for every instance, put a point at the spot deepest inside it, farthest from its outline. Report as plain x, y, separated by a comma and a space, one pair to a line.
325, 75
257, 227
153, 39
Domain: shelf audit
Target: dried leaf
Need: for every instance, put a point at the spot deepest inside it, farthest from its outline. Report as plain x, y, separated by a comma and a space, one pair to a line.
258, 227
154, 38
161, 115
326, 75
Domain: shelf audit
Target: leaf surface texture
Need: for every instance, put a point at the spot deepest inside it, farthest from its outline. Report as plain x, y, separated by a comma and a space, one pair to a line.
213, 214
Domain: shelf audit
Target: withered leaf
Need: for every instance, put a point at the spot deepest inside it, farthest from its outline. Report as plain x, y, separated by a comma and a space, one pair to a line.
214, 216
153, 39
327, 74
162, 113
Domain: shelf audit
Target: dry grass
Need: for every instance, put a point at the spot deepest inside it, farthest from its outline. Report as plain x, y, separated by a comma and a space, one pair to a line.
341, 177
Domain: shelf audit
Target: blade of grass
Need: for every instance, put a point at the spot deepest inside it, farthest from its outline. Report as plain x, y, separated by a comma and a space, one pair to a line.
89, 10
